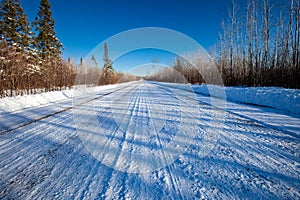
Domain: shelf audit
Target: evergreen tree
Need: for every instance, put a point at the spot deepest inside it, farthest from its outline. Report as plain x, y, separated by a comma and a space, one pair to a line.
45, 41
8, 22
81, 62
23, 28
108, 70
94, 61
107, 61
14, 26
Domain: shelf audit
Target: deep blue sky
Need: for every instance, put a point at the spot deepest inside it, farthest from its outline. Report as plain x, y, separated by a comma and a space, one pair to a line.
82, 25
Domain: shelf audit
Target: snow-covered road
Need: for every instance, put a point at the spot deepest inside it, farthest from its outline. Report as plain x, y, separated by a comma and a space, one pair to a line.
145, 140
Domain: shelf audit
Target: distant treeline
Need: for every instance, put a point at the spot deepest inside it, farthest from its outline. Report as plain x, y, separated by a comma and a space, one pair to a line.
259, 46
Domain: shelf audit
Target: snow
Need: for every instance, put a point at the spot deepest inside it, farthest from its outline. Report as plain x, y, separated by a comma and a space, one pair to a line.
278, 108
35, 67
17, 103
146, 140
274, 97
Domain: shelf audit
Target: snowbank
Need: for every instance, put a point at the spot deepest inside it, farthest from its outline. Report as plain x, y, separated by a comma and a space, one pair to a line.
273, 97
11, 104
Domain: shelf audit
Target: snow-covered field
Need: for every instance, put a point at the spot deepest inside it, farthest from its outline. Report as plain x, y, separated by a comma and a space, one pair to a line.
147, 140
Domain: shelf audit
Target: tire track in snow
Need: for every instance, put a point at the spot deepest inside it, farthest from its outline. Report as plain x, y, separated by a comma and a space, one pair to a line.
88, 179
61, 111
108, 145
33, 135
35, 160
272, 150
254, 148
73, 162
173, 181
242, 117
176, 180
28, 148
129, 138
275, 150
276, 128
112, 133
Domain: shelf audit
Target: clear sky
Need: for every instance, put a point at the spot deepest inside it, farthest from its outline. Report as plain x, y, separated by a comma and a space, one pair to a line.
82, 24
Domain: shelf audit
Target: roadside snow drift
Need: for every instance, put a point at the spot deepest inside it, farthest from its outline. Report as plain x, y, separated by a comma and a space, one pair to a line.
274, 97
11, 104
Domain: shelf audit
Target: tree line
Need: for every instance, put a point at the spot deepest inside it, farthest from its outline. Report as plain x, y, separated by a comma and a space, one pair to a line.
30, 56
258, 46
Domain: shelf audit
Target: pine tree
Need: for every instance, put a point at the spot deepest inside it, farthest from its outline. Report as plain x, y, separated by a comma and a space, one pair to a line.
94, 61
81, 62
46, 42
15, 29
107, 61
8, 22
17, 59
23, 28
108, 70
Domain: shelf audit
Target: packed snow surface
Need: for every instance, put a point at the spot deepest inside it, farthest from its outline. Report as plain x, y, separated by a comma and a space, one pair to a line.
148, 140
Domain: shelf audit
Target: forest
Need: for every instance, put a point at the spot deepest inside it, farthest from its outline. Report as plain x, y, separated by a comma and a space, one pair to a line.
258, 46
